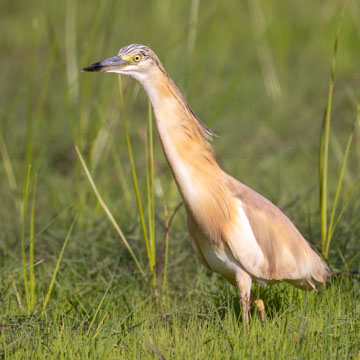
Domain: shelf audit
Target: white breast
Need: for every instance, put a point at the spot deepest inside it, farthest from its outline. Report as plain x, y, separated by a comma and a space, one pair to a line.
239, 250
243, 245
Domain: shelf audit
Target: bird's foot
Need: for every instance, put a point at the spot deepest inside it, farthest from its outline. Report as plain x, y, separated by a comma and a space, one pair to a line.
260, 307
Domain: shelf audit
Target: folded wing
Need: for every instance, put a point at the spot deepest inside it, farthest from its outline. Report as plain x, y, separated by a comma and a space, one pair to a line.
287, 255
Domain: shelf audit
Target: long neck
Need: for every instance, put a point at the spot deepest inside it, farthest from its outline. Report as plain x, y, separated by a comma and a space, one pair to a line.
191, 158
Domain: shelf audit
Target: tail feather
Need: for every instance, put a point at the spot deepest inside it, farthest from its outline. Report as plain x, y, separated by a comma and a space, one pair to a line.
320, 271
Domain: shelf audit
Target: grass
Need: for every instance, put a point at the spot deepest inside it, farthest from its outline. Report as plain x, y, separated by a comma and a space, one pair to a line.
327, 231
257, 74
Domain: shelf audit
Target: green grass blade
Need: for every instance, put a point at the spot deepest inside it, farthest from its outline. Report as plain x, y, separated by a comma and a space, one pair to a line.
357, 132
324, 143
166, 250
166, 239
324, 165
322, 198
193, 23
72, 67
108, 212
52, 281
122, 178
346, 203
54, 219
152, 261
97, 310
99, 326
151, 201
331, 228
133, 173
23, 227
31, 249
7, 163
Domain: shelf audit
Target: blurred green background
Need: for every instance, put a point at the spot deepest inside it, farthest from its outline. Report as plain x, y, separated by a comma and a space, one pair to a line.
255, 72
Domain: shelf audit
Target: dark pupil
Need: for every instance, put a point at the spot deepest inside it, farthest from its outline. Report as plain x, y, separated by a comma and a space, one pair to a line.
137, 58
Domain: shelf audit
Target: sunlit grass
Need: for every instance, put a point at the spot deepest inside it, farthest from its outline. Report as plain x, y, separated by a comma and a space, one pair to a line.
148, 232
109, 214
328, 229
58, 262
23, 234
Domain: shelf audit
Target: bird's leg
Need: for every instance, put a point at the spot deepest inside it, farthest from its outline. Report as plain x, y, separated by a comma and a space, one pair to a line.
243, 282
259, 304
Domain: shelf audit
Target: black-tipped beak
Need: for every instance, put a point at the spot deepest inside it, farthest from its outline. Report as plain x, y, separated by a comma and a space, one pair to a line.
108, 65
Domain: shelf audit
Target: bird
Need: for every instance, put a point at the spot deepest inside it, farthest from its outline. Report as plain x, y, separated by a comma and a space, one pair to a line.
234, 231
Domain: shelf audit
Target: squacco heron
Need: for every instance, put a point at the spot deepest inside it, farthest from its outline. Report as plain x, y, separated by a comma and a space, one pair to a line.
234, 231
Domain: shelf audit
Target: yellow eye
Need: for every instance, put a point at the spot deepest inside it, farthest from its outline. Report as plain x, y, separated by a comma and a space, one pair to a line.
137, 58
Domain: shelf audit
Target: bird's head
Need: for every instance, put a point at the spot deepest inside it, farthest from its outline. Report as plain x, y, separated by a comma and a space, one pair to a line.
135, 60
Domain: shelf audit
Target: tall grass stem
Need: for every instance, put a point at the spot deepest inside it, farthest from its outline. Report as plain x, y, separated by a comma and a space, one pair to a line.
134, 177
331, 228
24, 206
151, 194
108, 212
58, 262
324, 143
31, 249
